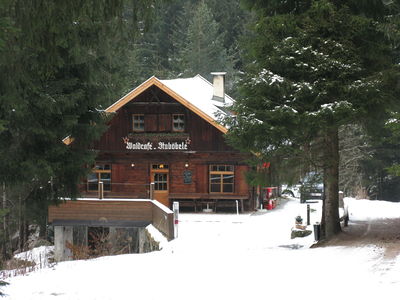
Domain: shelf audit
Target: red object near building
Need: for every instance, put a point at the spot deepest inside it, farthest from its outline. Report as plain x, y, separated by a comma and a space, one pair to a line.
269, 201
266, 165
269, 204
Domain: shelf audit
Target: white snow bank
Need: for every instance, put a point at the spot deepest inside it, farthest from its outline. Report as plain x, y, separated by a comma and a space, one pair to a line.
221, 256
40, 255
157, 236
370, 209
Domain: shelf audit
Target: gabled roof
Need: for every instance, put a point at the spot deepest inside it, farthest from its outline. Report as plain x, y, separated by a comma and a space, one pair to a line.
194, 93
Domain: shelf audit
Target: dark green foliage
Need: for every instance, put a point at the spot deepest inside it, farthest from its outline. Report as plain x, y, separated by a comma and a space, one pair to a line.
61, 63
383, 168
204, 47
312, 67
58, 69
273, 7
310, 72
152, 52
393, 139
189, 38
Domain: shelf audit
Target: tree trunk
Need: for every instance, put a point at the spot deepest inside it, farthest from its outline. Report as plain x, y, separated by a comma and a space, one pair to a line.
21, 224
5, 241
331, 222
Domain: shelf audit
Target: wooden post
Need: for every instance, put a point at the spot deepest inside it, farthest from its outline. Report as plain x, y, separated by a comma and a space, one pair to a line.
152, 190
101, 190
175, 207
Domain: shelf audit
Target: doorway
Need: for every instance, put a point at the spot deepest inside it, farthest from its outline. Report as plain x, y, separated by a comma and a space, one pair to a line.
160, 178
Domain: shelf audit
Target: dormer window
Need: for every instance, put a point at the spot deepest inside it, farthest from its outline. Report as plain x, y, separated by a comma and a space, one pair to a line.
178, 122
138, 122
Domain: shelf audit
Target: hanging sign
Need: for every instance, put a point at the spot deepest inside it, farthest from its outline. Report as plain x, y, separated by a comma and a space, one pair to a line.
187, 177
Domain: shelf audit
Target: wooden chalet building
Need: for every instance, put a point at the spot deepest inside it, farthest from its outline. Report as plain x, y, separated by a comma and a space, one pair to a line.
164, 143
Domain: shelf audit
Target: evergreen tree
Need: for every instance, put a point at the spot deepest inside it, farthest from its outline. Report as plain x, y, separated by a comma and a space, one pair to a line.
232, 20
313, 66
61, 63
393, 125
163, 49
204, 51
382, 168
154, 50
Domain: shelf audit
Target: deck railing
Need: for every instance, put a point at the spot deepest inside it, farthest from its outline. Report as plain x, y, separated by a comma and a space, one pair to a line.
113, 212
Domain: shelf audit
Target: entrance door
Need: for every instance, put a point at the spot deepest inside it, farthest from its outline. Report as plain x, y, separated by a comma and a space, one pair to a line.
160, 178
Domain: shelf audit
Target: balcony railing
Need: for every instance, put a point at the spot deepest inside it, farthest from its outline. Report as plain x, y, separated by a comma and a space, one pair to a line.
113, 212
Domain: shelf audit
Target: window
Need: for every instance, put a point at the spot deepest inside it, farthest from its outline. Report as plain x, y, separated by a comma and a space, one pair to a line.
138, 122
160, 181
222, 179
100, 172
178, 122
160, 167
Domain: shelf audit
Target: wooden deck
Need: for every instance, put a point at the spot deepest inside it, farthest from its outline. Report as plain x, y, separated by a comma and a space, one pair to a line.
200, 200
113, 212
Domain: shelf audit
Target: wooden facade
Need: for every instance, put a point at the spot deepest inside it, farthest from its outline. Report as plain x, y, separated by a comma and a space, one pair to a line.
160, 145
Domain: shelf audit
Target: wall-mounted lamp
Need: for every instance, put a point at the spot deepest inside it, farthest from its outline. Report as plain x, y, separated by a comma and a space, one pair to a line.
132, 165
186, 164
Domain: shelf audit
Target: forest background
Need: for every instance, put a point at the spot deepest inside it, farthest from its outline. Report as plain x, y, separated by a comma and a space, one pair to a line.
62, 63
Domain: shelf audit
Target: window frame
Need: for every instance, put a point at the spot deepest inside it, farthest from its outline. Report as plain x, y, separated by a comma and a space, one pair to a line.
161, 185
138, 124
98, 172
161, 170
221, 170
180, 122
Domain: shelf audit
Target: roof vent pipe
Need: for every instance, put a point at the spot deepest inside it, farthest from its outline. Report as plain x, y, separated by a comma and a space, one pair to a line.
219, 86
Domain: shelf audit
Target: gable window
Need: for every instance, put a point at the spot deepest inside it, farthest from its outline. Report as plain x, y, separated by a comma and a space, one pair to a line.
100, 172
138, 122
222, 178
178, 122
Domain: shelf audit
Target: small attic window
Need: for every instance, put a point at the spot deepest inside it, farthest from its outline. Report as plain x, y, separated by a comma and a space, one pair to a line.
178, 122
138, 122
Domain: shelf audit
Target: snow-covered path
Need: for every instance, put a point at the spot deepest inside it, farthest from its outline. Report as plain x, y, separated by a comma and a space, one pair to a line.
250, 256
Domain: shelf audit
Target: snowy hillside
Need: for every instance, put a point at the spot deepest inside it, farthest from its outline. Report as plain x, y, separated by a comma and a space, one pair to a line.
220, 256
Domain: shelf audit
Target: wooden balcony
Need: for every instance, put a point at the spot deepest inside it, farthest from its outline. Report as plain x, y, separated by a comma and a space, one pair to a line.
113, 213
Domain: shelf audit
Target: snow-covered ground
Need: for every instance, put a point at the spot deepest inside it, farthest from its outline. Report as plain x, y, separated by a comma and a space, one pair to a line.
221, 256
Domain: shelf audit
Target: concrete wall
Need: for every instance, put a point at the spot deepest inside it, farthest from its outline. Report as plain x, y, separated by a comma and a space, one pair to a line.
62, 236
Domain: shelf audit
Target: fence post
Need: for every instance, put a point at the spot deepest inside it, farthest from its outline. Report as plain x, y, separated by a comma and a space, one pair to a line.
101, 190
175, 208
152, 190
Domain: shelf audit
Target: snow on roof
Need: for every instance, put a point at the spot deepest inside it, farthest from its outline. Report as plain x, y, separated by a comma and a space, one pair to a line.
196, 93
199, 92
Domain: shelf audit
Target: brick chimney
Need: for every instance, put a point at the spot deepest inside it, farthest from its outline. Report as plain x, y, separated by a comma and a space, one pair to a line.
219, 86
